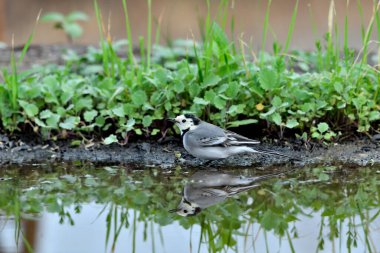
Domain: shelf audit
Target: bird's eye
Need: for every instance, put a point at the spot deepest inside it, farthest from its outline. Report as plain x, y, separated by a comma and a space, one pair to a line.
183, 121
185, 211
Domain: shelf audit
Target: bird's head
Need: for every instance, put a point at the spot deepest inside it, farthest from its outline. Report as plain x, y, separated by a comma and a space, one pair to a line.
185, 208
186, 122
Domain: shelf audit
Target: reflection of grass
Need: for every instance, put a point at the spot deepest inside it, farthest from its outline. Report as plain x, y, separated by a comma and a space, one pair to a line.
148, 195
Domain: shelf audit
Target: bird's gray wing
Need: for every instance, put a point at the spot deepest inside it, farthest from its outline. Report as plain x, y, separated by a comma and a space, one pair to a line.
208, 135
237, 139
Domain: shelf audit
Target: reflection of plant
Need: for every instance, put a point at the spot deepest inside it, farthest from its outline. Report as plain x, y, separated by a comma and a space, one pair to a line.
275, 207
69, 24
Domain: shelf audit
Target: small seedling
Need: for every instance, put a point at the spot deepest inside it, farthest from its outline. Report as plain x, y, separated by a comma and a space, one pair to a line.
69, 24
322, 132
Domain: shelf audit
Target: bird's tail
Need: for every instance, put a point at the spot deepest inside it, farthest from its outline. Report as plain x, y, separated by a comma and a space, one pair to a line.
271, 152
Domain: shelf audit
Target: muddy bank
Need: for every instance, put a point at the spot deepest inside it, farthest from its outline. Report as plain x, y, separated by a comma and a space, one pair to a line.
171, 154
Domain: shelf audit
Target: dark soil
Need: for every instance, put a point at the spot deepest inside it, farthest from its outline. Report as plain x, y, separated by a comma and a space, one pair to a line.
166, 155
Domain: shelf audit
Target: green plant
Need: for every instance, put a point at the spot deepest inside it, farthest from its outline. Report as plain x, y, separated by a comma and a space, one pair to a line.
287, 92
69, 23
322, 132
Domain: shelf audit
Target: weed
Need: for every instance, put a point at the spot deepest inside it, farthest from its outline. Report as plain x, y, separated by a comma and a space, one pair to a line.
102, 94
67, 23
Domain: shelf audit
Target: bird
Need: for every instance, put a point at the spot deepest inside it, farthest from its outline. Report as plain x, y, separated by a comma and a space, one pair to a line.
206, 188
210, 142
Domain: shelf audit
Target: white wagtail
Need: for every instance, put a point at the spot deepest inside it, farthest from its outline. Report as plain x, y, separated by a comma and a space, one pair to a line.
207, 141
206, 188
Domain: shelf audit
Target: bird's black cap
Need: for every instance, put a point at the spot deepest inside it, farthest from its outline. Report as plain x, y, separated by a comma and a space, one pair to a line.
193, 117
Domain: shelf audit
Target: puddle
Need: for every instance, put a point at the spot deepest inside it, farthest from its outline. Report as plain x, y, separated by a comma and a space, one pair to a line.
62, 208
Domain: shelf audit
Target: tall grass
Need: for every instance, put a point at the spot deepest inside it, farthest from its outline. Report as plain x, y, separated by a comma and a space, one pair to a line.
368, 32
131, 56
12, 80
265, 30
213, 85
149, 35
105, 52
291, 27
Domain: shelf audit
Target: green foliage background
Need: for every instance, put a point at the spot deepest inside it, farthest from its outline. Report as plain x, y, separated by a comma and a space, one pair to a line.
319, 94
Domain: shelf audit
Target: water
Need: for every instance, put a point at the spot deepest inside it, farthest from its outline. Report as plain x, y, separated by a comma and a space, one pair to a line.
66, 208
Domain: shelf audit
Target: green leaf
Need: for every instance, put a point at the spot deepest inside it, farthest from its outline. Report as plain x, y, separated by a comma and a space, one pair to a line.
110, 139
276, 101
268, 79
89, 116
72, 29
209, 96
268, 113
31, 110
329, 135
85, 102
155, 131
90, 181
53, 16
70, 123
200, 101
316, 135
52, 121
77, 16
323, 177
276, 118
45, 114
232, 90
147, 121
141, 198
119, 111
39, 122
194, 89
338, 87
374, 115
139, 98
69, 178
269, 220
219, 102
241, 122
236, 109
130, 123
211, 80
291, 123
323, 127
75, 143
179, 86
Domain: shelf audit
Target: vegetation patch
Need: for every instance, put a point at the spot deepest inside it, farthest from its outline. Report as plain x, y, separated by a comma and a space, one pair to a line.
323, 94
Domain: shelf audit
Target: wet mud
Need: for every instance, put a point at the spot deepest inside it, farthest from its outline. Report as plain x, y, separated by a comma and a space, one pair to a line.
171, 154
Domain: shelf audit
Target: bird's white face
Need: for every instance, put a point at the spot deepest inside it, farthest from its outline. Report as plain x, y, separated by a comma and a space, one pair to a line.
185, 123
186, 208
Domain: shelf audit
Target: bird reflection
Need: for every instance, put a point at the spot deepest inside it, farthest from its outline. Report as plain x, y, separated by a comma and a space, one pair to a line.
205, 189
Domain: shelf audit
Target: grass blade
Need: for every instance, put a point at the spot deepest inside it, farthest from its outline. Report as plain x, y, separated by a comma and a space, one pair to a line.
29, 41
291, 27
129, 34
149, 37
369, 33
265, 30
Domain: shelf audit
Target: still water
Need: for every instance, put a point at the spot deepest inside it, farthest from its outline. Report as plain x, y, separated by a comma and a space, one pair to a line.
80, 208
